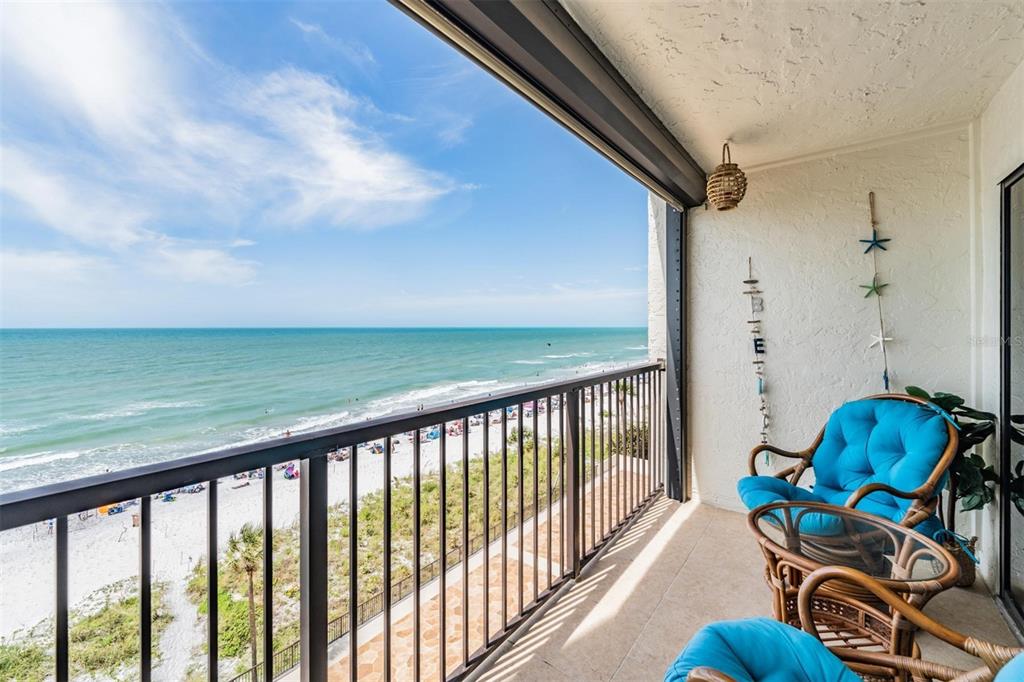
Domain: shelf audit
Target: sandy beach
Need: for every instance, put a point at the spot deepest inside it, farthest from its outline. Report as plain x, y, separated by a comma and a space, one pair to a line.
104, 549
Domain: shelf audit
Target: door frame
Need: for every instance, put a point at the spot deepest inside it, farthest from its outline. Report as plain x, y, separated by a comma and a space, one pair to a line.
1012, 606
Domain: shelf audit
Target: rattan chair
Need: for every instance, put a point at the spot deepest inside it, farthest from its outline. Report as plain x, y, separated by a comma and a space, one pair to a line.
877, 665
763, 649
886, 455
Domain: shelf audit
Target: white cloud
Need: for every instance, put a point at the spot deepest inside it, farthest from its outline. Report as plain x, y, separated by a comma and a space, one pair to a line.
434, 83
553, 296
202, 265
37, 267
357, 53
91, 216
150, 132
79, 209
452, 128
90, 57
329, 166
34, 283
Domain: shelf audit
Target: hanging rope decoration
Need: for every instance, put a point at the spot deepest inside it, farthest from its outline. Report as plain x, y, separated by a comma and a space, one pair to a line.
874, 245
757, 340
727, 184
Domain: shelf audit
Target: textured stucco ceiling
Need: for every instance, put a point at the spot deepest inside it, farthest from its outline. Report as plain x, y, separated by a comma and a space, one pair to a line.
786, 78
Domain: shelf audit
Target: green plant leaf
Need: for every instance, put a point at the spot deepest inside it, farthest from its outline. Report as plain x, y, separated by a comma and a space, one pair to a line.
972, 502
918, 392
947, 404
1017, 487
972, 413
973, 434
947, 401
976, 460
1017, 497
970, 480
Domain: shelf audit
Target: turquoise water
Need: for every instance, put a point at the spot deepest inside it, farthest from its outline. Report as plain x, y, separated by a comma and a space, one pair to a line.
80, 402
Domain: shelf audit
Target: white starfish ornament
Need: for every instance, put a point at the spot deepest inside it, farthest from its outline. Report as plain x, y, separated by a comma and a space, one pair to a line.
879, 340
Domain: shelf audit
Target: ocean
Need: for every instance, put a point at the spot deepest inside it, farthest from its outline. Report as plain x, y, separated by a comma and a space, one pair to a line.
83, 401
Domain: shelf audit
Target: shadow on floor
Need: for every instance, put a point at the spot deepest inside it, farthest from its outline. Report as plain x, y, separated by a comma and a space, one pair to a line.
677, 569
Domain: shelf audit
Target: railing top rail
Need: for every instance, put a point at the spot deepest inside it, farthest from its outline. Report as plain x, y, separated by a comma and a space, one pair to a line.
22, 507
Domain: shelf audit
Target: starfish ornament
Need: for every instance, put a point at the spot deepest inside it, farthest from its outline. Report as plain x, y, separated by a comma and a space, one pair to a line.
874, 241
874, 288
879, 340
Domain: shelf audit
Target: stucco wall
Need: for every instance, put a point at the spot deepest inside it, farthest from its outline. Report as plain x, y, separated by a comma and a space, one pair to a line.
800, 224
998, 149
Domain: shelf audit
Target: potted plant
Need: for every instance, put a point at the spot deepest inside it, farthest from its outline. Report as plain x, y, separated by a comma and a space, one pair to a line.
972, 482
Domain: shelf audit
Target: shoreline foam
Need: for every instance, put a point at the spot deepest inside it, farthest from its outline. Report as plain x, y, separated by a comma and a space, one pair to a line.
121, 455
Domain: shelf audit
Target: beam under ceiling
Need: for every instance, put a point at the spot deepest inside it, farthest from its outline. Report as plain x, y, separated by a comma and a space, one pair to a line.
538, 49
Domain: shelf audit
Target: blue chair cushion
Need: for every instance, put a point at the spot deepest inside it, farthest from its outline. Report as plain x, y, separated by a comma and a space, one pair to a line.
895, 442
758, 490
1012, 671
930, 527
759, 650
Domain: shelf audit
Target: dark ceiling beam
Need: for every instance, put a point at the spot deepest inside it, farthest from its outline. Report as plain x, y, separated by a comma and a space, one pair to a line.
535, 47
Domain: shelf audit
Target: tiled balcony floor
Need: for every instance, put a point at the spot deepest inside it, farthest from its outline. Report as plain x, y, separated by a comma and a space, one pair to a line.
678, 568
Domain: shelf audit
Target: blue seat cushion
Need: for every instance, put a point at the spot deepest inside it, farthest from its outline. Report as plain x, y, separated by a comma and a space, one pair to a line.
759, 650
930, 527
1012, 671
758, 490
894, 442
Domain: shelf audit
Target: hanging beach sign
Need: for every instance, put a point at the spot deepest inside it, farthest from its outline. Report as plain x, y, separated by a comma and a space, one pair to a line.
875, 287
757, 344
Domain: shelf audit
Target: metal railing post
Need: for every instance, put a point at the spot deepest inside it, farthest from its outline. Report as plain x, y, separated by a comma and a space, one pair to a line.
268, 573
212, 589
313, 569
572, 408
60, 620
145, 591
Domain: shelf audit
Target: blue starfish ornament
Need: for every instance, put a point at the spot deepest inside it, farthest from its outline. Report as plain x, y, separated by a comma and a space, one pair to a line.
874, 241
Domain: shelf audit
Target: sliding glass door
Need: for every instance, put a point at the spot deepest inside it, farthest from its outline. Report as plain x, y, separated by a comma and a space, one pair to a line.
1012, 399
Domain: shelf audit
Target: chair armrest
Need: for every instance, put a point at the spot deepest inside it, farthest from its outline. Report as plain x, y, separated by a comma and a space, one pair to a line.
923, 506
865, 490
804, 455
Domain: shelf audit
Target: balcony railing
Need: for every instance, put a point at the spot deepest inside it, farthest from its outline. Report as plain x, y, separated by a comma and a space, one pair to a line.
608, 426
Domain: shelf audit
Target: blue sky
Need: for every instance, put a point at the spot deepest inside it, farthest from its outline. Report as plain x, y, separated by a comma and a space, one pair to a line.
236, 164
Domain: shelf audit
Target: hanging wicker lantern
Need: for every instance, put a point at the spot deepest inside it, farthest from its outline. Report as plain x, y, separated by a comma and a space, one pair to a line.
727, 184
